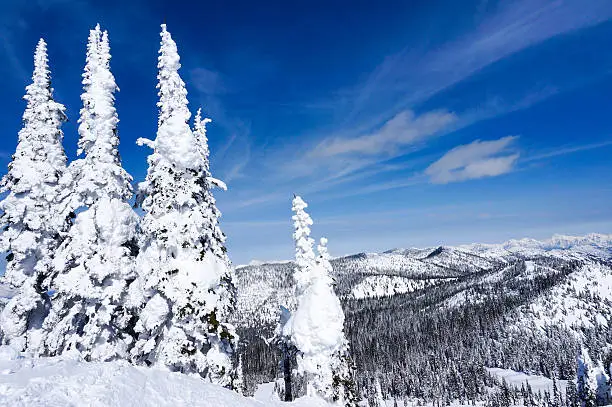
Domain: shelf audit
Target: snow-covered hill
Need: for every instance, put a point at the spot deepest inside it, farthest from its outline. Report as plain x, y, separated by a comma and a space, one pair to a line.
264, 287
55, 381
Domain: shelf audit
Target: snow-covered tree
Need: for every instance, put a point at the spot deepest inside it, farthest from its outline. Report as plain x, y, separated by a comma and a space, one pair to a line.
305, 261
586, 382
95, 264
342, 367
185, 277
316, 327
304, 254
31, 217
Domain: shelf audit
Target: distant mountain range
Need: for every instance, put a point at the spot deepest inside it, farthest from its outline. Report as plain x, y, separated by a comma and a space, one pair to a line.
526, 305
265, 286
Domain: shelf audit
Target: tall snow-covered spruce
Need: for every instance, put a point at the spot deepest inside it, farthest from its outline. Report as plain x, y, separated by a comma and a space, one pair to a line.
95, 264
185, 277
317, 326
31, 217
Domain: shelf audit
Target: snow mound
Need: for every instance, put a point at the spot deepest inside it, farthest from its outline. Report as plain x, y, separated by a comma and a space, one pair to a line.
65, 381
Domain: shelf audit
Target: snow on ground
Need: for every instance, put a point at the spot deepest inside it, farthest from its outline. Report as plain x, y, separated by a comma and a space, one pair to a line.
539, 384
383, 286
65, 381
570, 303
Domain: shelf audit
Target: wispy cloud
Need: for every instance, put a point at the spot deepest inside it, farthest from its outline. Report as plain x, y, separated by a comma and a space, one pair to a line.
478, 159
378, 120
564, 150
403, 129
513, 27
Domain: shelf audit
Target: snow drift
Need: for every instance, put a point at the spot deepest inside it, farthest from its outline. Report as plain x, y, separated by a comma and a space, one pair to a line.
66, 381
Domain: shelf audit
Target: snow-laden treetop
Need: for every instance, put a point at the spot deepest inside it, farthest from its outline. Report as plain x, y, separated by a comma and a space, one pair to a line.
100, 173
175, 141
39, 158
304, 254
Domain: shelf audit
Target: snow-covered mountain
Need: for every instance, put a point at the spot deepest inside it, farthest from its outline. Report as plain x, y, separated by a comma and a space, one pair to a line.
265, 286
439, 312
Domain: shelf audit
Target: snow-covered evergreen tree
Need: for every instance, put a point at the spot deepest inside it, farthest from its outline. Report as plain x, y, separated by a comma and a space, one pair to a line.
185, 277
305, 261
342, 367
31, 217
95, 264
586, 382
304, 254
316, 327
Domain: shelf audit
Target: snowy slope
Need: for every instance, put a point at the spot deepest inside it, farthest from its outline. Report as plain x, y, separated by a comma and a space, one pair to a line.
70, 382
537, 383
581, 300
381, 286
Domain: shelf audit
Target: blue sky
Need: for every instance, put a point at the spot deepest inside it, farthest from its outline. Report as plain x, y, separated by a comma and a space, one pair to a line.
409, 123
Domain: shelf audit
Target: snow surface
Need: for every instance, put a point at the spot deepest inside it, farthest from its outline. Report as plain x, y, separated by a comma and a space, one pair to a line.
65, 381
385, 286
567, 303
539, 384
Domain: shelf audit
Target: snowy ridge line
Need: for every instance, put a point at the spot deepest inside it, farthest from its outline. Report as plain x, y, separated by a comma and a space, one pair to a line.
556, 242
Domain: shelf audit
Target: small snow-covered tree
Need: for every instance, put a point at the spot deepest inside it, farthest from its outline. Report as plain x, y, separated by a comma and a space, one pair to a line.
31, 217
185, 278
586, 381
316, 327
342, 366
304, 254
305, 261
95, 264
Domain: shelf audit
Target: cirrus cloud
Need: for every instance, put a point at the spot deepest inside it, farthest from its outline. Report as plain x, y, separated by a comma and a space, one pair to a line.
478, 159
403, 129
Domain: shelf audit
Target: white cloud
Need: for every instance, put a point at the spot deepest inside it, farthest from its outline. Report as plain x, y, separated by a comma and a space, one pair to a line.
478, 159
403, 129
